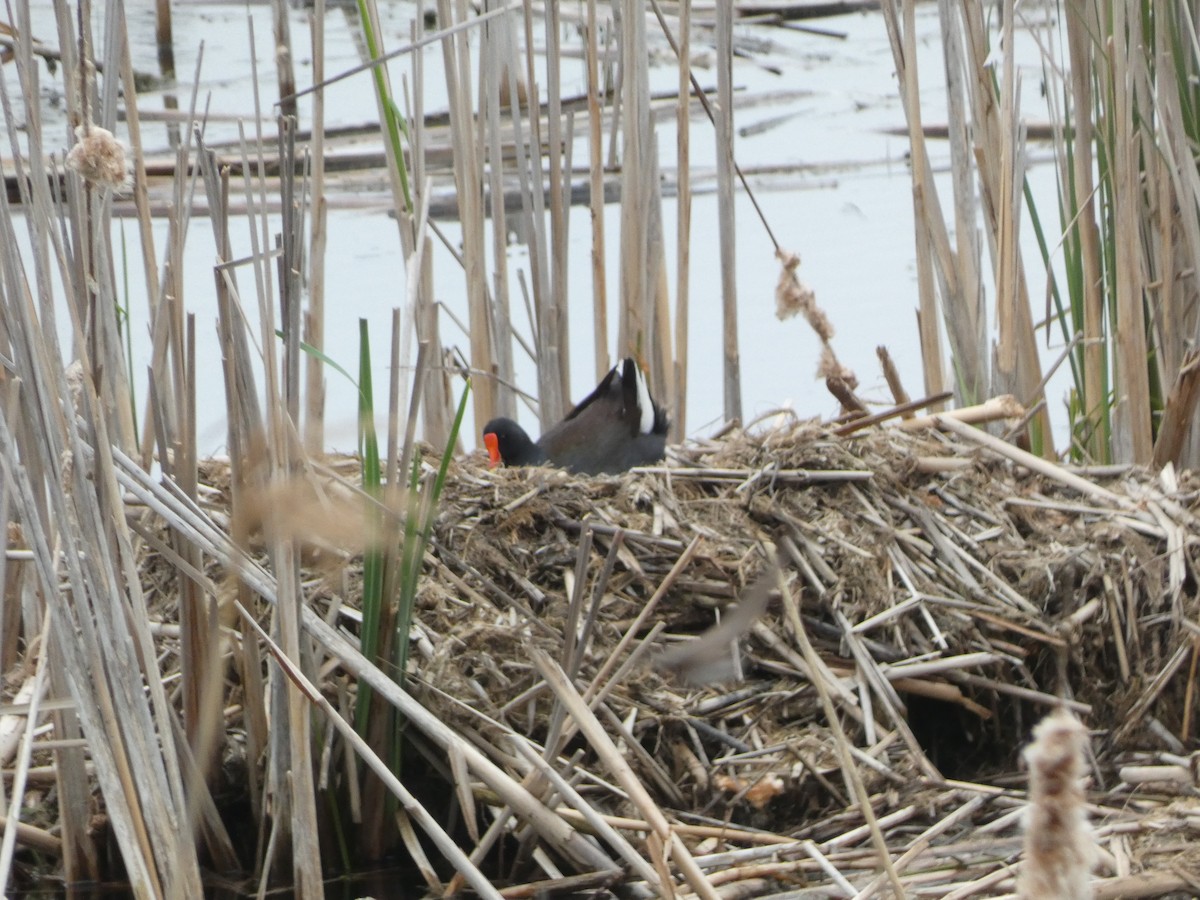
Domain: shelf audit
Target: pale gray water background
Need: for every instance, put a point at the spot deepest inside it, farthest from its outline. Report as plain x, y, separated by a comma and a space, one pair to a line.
842, 200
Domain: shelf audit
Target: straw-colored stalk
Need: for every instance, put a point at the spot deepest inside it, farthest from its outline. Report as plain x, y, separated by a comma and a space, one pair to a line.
601, 350
552, 377
244, 424
683, 234
558, 146
997, 161
1128, 194
1007, 209
290, 769
467, 174
932, 242
1080, 24
1176, 230
436, 404
314, 316
999, 164
967, 323
72, 514
639, 183
497, 53
725, 212
1131, 413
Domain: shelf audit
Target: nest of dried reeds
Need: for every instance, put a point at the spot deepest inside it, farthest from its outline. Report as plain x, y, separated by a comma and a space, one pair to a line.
953, 597
936, 597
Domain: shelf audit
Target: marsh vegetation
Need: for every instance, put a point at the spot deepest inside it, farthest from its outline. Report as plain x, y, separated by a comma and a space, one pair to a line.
285, 662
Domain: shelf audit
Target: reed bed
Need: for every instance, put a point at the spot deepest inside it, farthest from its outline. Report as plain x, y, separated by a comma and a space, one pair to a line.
1117, 251
937, 595
497, 674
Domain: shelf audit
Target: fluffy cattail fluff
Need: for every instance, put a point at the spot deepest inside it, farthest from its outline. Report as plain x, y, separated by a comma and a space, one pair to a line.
1059, 850
792, 297
98, 157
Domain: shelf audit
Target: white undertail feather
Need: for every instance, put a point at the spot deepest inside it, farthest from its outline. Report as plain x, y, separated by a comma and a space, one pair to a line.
645, 404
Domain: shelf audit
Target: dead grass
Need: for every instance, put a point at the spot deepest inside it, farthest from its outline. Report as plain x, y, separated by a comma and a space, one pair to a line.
948, 613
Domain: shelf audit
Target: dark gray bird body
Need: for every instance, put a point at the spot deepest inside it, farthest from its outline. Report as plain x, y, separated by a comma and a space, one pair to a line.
614, 428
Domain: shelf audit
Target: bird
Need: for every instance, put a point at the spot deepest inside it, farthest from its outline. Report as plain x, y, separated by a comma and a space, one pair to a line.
617, 426
713, 657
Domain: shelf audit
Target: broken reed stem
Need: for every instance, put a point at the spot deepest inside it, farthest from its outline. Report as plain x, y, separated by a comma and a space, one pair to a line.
1005, 406
892, 376
904, 410
599, 740
1034, 463
304, 689
849, 769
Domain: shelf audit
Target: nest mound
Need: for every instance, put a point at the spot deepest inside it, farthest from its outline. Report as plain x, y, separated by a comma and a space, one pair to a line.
907, 606
939, 597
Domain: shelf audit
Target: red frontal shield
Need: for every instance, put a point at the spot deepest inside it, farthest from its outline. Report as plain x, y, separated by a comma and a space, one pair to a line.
493, 449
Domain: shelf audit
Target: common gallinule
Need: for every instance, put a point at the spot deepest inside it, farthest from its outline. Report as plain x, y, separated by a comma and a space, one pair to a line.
617, 426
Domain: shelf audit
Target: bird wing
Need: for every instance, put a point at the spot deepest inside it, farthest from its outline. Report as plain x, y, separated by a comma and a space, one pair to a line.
609, 389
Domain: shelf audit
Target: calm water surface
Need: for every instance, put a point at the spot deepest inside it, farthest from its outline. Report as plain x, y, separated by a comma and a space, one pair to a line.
843, 203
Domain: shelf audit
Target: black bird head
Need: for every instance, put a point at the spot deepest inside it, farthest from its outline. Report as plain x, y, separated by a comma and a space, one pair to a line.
508, 443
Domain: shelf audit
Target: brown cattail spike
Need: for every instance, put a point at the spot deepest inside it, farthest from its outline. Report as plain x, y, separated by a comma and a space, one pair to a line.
1059, 849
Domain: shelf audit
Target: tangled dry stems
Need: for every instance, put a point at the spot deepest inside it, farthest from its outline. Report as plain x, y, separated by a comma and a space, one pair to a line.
952, 607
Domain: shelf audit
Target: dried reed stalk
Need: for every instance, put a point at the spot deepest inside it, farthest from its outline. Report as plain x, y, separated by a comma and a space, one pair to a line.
930, 230
1001, 172
559, 294
305, 689
468, 167
498, 59
600, 347
1131, 412
663, 838
683, 226
967, 321
284, 70
100, 632
1081, 24
642, 331
723, 125
314, 315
